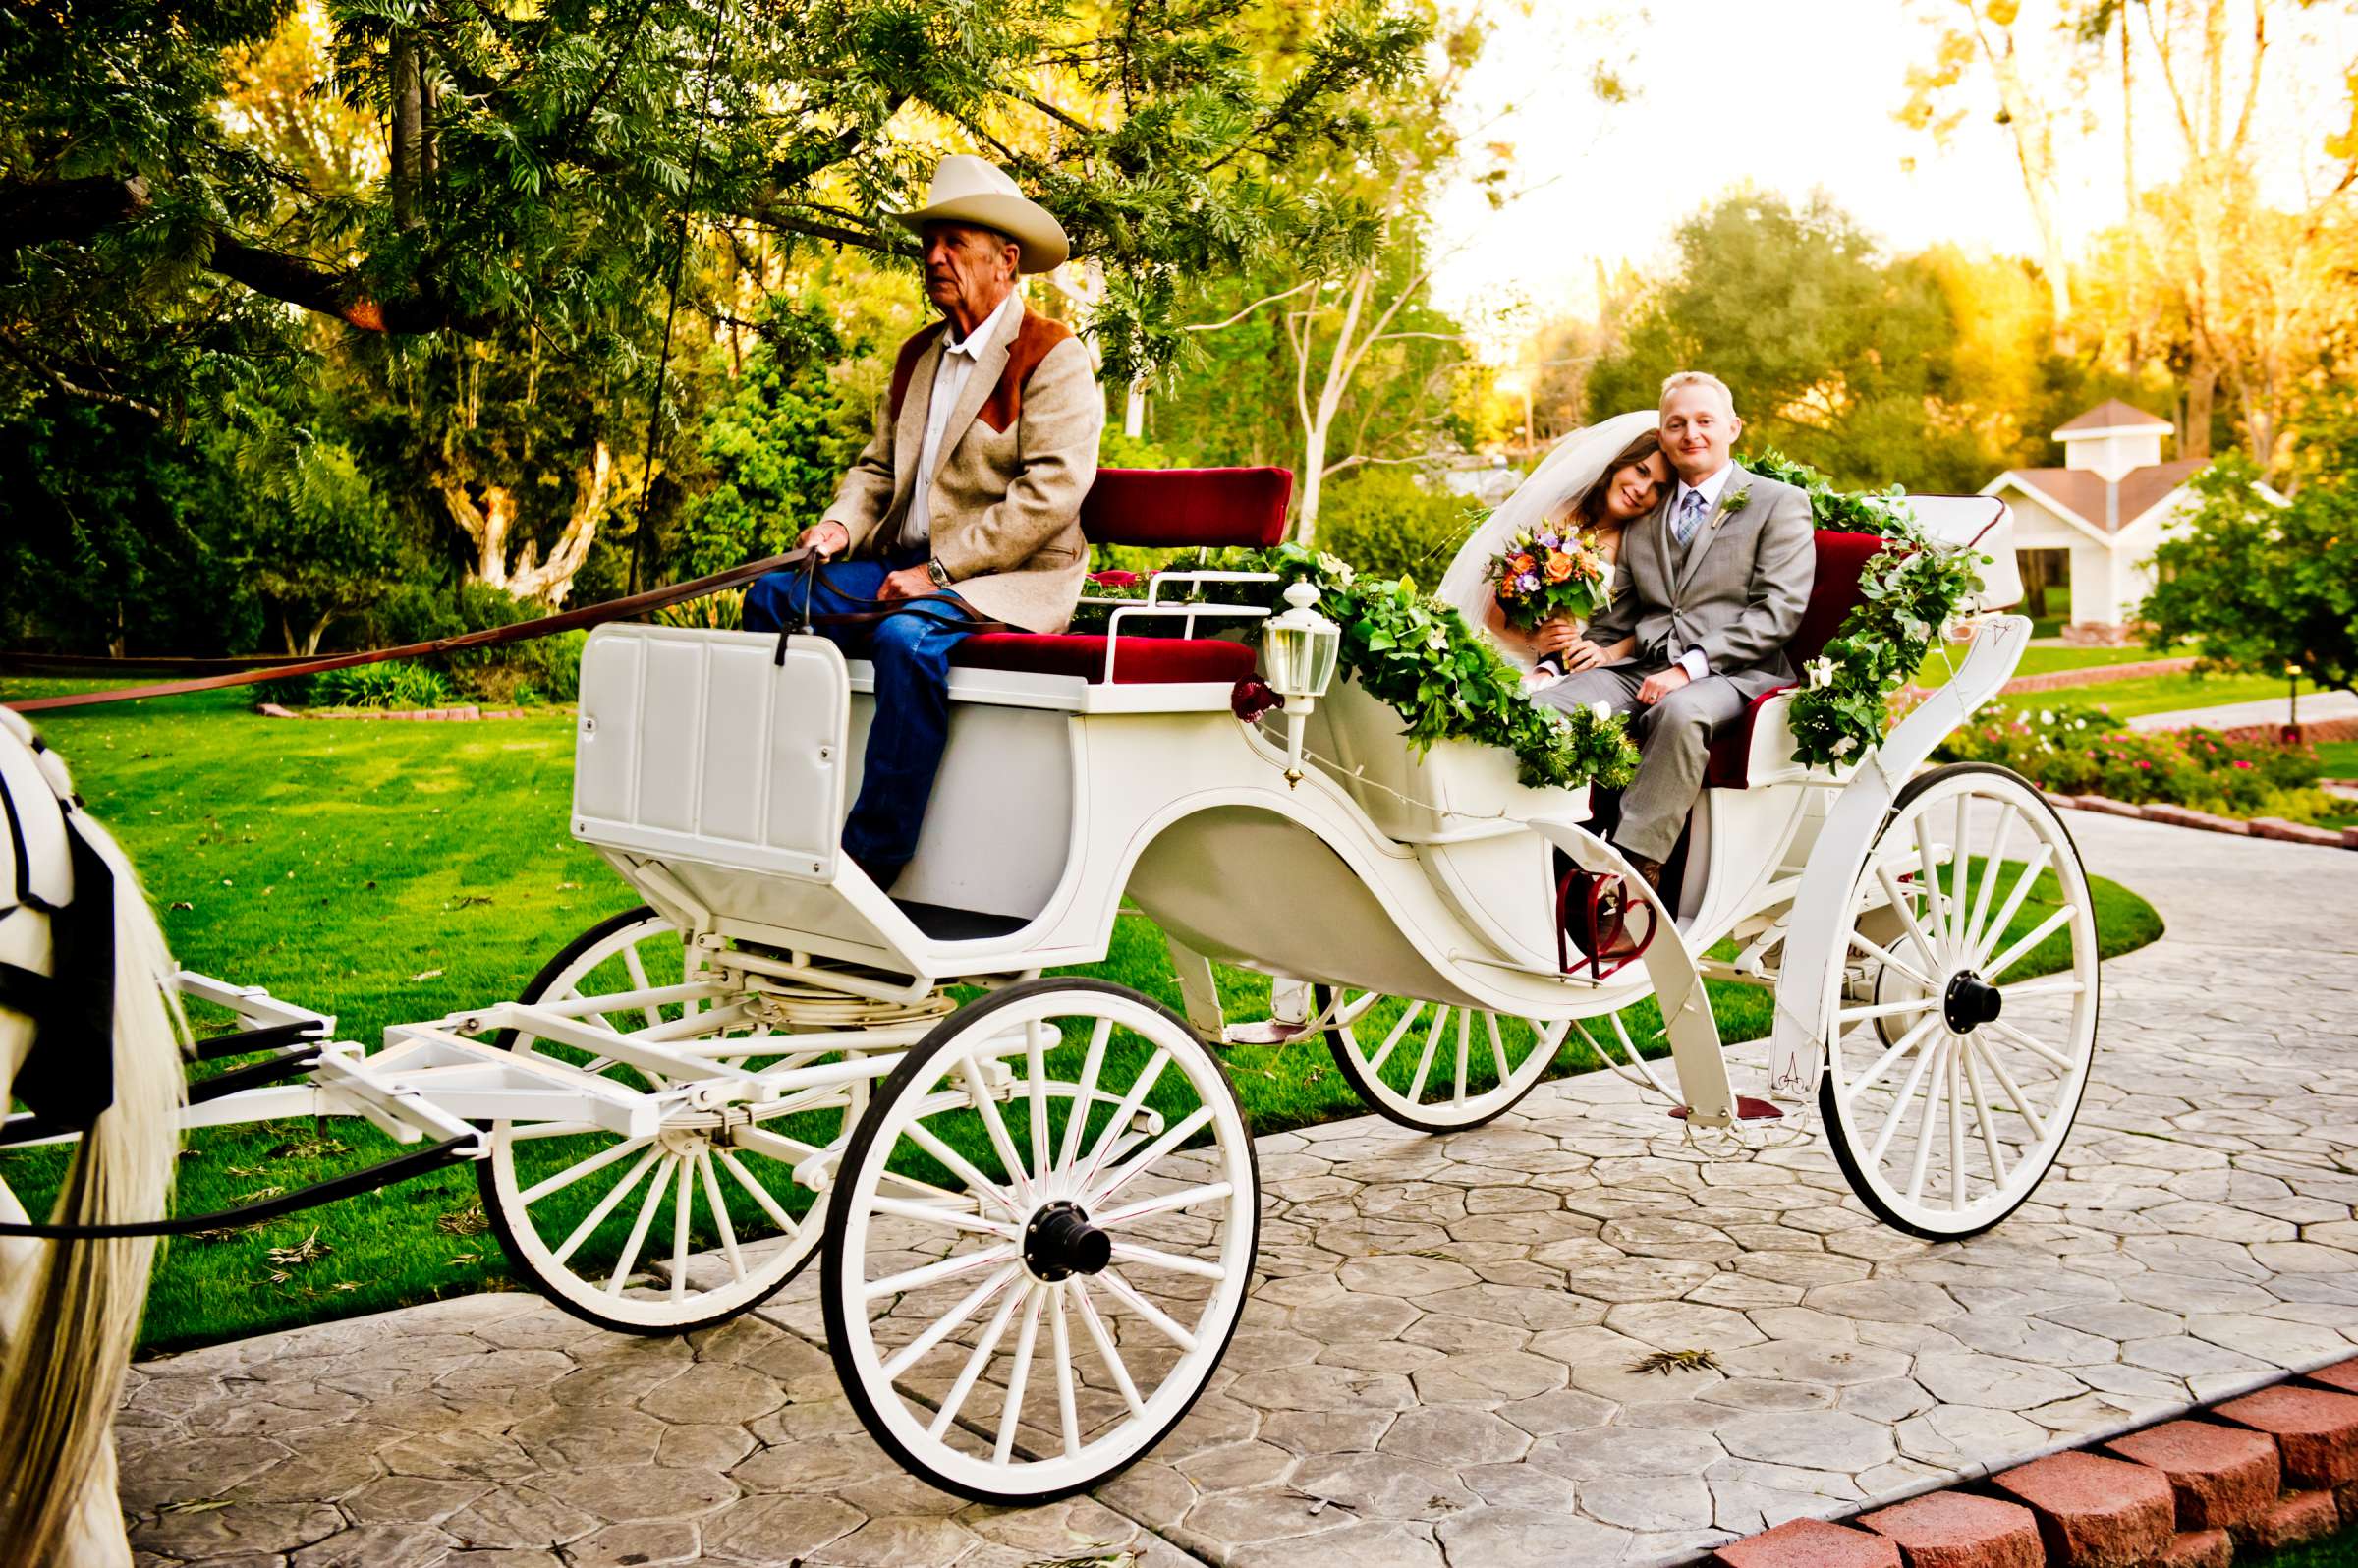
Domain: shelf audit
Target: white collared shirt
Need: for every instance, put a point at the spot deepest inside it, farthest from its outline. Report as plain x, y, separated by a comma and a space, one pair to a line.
950, 375
1692, 661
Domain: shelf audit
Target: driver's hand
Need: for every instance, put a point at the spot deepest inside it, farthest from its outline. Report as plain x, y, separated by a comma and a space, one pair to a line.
827, 539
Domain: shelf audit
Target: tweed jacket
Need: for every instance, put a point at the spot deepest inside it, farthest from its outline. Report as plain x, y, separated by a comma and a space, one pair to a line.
1737, 591
1018, 456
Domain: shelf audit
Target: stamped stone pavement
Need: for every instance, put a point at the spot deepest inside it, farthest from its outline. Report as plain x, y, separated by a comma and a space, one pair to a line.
1437, 1366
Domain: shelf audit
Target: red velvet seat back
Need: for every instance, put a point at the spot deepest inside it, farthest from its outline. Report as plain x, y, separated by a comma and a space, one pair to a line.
1833, 595
1184, 508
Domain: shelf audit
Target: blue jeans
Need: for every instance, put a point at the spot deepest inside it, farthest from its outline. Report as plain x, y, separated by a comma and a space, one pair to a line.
911, 649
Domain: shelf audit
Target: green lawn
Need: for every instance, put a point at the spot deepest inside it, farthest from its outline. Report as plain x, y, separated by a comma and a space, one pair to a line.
393, 871
2339, 759
1943, 660
2159, 693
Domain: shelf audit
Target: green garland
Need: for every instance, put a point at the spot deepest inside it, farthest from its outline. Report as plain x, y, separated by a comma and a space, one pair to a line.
1909, 591
1409, 649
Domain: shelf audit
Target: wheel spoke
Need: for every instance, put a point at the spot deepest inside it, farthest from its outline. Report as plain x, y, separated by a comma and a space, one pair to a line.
639, 982
1980, 1110
1012, 1412
1900, 903
1162, 1203
947, 1323
1928, 875
987, 1110
2024, 990
1400, 1028
1107, 1352
1085, 1092
2032, 938
1959, 862
961, 1167
1060, 1343
760, 1193
1885, 956
1122, 1115
679, 1233
1884, 1063
945, 1268
1157, 1257
1498, 1048
1172, 1138
1035, 1069
976, 1361
1465, 1031
720, 1215
1432, 1041
2005, 1080
647, 1218
2031, 871
1900, 1009
1924, 1129
574, 1173
938, 1214
1899, 1105
1956, 1129
2039, 1048
1975, 926
1120, 1289
607, 1205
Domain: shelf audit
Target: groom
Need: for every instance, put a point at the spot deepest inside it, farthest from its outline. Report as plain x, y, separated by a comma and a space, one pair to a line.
1719, 574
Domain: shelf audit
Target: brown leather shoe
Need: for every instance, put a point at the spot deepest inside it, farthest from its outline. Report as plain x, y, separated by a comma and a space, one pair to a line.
1650, 871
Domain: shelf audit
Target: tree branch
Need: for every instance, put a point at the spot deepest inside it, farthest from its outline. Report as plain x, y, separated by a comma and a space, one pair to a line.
59, 383
36, 212
1215, 326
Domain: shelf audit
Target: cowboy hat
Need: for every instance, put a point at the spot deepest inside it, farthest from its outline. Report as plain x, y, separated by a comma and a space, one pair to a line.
968, 190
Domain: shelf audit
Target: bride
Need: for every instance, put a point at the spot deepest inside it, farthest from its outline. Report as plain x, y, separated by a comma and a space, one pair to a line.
1597, 481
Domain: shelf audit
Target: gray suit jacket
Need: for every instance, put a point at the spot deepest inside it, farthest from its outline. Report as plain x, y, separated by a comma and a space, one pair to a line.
1737, 594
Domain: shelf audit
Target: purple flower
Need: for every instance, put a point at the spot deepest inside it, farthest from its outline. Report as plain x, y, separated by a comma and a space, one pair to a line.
1528, 583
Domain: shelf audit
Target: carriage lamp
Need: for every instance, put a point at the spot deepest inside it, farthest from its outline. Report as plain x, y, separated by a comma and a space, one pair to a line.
1298, 649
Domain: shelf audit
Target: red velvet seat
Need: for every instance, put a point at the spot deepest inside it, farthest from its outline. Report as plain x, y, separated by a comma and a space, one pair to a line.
1834, 593
1158, 509
1141, 660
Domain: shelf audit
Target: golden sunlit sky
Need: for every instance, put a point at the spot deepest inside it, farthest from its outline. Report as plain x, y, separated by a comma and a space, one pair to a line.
1793, 95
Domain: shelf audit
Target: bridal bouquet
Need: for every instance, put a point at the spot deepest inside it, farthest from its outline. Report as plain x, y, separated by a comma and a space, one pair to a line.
1544, 572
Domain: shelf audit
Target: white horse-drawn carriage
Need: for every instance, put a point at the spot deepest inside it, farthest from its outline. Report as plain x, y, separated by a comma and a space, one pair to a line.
1034, 1196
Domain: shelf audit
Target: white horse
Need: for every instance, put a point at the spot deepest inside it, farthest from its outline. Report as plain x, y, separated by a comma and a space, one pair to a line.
71, 912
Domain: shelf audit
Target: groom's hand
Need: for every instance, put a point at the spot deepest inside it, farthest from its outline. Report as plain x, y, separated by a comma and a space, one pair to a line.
1660, 684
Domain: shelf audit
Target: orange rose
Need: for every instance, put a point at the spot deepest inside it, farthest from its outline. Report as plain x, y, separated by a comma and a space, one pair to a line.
1559, 566
1517, 565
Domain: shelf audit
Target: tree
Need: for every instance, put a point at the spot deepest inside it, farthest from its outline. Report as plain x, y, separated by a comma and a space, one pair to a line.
2031, 94
2264, 587
1836, 358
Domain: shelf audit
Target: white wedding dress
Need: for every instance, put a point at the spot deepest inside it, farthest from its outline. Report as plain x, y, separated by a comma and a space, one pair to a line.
1577, 463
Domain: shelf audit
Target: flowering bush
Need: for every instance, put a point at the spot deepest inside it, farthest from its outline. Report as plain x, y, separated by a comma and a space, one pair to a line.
2083, 751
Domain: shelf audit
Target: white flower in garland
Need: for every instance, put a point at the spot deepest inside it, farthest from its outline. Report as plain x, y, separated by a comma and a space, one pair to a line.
1334, 566
1436, 637
1821, 672
1599, 713
1845, 746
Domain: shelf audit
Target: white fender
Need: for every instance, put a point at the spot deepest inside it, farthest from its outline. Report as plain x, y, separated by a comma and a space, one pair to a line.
1822, 916
1676, 979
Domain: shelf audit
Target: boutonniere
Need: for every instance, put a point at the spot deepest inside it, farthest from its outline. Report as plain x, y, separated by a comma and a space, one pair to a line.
1731, 506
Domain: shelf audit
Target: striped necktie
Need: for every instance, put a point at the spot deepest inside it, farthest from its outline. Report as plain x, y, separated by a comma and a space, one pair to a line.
1690, 515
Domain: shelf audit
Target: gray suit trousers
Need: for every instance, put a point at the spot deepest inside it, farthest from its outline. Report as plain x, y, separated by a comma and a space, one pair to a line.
1674, 738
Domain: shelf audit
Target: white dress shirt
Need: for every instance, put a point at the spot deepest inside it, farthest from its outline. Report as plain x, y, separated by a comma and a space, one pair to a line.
950, 375
1692, 661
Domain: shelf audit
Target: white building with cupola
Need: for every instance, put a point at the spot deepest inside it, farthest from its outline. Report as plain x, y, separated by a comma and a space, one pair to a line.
2093, 525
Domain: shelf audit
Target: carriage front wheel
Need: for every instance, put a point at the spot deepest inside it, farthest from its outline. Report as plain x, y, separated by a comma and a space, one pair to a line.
1961, 1017
1040, 1241
1434, 1067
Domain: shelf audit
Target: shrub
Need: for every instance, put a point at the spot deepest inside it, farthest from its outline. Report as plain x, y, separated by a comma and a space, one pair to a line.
2082, 751
551, 665
1387, 525
400, 684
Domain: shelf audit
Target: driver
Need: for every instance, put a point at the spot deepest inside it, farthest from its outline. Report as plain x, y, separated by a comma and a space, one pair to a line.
964, 510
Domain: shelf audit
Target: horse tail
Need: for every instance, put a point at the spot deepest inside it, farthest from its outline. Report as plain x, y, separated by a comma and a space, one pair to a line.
78, 1304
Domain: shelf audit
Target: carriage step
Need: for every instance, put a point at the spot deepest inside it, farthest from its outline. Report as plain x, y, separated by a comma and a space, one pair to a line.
1748, 1109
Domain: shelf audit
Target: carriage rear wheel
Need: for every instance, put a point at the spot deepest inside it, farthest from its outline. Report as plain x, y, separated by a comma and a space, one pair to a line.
1431, 1066
681, 1229
1040, 1241
1961, 1016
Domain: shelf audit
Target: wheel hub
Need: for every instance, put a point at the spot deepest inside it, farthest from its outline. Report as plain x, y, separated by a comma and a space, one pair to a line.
1970, 1002
1060, 1242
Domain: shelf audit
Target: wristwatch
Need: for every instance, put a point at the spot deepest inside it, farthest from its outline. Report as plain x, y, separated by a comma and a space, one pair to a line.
939, 573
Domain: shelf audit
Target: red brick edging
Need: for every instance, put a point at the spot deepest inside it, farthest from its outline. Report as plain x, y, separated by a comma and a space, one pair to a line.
2275, 828
2095, 675
2267, 1470
460, 715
